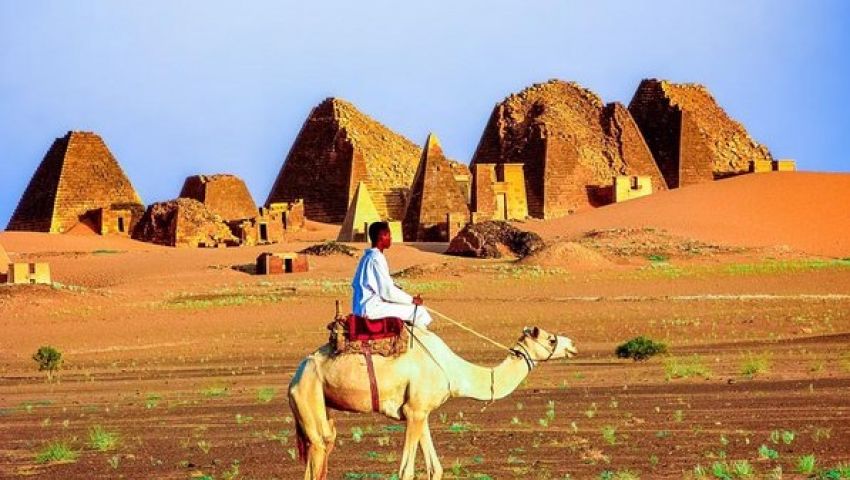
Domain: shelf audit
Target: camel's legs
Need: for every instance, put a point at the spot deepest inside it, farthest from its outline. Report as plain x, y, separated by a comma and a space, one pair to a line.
307, 401
432, 462
415, 422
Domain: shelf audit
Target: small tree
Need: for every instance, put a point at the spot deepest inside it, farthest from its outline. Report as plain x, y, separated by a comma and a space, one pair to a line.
640, 348
49, 359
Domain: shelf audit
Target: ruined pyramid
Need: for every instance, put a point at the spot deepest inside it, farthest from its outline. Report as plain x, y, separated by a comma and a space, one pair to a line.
78, 175
338, 147
434, 195
691, 137
360, 214
224, 195
571, 144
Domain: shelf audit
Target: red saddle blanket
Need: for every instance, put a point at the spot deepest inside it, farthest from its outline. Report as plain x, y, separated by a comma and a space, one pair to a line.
362, 328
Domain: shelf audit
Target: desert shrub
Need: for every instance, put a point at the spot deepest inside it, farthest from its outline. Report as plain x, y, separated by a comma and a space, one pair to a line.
329, 248
640, 348
48, 359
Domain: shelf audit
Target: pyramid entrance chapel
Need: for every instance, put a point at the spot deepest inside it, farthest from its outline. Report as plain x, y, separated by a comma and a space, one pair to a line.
78, 181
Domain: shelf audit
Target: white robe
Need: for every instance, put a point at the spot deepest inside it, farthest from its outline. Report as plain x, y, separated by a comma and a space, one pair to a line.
376, 296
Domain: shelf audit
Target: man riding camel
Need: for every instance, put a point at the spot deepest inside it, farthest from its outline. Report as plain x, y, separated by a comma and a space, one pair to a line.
375, 294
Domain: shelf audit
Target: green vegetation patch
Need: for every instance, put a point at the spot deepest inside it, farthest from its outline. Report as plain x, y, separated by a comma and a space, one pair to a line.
640, 348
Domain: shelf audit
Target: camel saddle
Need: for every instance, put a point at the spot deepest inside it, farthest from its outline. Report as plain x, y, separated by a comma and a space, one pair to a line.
387, 337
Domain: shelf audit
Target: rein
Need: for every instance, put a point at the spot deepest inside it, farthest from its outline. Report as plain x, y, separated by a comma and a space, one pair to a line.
519, 350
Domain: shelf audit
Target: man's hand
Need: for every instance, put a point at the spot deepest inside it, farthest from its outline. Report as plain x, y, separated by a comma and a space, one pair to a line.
417, 300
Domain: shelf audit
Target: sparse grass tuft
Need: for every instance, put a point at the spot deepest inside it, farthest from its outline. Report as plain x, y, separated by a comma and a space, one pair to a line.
806, 464
101, 439
755, 364
265, 394
214, 392
685, 367
56, 452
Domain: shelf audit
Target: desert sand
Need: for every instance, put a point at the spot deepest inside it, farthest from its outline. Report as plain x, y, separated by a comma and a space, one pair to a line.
186, 357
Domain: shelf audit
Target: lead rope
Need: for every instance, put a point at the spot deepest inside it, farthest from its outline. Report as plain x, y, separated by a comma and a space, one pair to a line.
468, 329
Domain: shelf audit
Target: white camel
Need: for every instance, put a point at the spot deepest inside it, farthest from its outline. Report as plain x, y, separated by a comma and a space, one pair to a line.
410, 387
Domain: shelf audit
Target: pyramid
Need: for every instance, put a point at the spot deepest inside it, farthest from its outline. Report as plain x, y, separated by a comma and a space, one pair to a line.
337, 148
78, 175
224, 195
691, 137
571, 144
4, 261
360, 213
434, 195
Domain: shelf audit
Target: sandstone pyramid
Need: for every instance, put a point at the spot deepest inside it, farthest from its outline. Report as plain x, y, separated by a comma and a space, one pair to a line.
435, 193
338, 147
4, 262
224, 195
360, 213
78, 175
691, 137
571, 144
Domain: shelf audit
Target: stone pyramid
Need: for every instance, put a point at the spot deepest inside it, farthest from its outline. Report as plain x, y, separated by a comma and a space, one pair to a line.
691, 137
4, 262
77, 175
361, 212
571, 144
434, 195
337, 148
224, 195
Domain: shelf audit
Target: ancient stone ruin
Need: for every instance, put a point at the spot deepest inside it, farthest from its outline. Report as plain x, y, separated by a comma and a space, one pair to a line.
570, 143
435, 197
498, 192
183, 222
337, 148
78, 181
224, 195
32, 273
691, 137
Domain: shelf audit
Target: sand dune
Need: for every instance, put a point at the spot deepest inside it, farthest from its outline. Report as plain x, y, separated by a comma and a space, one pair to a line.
805, 211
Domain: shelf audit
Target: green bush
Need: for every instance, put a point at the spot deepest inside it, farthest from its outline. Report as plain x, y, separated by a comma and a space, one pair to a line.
640, 348
49, 359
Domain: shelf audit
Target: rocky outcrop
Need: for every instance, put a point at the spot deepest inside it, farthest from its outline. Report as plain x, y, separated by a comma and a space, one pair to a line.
571, 144
494, 239
183, 222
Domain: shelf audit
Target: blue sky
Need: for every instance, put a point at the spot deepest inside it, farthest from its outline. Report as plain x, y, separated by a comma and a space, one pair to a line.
188, 87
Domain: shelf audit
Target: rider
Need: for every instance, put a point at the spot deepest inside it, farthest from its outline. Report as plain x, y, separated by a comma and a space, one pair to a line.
375, 294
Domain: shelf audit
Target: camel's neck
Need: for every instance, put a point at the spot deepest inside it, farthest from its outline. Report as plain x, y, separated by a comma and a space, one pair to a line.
483, 383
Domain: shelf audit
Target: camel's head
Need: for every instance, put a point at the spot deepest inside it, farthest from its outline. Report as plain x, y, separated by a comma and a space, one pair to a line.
541, 345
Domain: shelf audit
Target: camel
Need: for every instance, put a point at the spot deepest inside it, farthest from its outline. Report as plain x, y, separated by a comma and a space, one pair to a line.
410, 387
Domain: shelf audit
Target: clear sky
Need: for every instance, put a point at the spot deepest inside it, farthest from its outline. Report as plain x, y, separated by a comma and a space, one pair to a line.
186, 87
